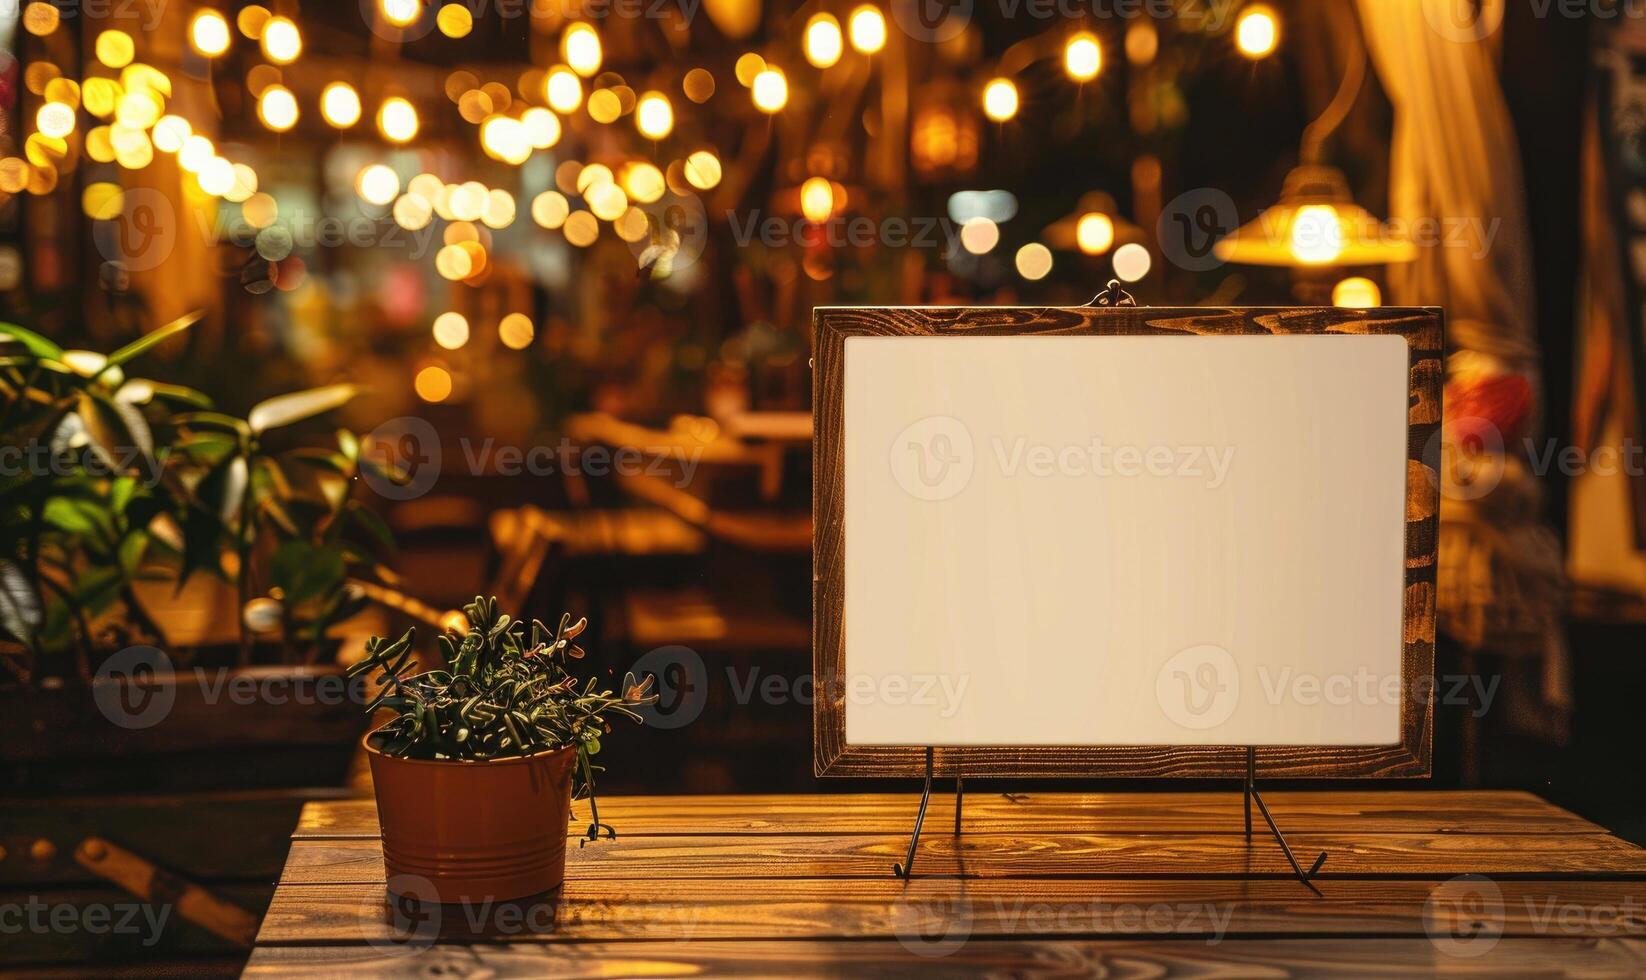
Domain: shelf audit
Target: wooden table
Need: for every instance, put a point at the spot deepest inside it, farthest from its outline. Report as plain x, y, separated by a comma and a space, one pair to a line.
1135, 884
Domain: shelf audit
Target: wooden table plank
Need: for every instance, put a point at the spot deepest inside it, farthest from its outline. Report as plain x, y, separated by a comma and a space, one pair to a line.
1366, 812
1036, 856
1257, 959
695, 911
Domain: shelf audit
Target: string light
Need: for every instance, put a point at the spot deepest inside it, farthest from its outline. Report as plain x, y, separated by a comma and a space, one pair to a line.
197, 151
433, 384
653, 115
209, 33
1000, 99
516, 331
580, 46
868, 29
400, 13
281, 41
703, 170
55, 120
563, 89
979, 235
397, 120
1131, 262
823, 41
115, 48
1034, 261
504, 138
377, 184
340, 105
451, 330
277, 107
770, 90
1257, 31
542, 127
1083, 57
171, 132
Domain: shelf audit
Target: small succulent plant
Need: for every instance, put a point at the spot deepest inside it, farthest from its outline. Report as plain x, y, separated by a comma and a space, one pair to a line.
503, 692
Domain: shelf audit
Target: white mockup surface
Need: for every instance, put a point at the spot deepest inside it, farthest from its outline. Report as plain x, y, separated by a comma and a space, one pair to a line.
1133, 540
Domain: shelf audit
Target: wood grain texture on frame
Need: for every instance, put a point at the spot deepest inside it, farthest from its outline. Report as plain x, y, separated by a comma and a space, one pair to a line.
832, 756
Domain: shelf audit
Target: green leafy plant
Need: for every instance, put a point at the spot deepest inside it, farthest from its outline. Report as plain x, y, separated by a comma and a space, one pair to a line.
502, 691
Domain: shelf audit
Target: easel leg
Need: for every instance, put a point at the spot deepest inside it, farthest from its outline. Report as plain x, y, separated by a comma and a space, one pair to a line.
907, 867
1253, 794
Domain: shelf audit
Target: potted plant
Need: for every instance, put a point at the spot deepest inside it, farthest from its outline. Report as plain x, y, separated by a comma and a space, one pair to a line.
476, 772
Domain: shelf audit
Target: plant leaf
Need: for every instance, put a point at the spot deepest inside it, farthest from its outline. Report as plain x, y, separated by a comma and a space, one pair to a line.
37, 345
153, 337
20, 611
298, 405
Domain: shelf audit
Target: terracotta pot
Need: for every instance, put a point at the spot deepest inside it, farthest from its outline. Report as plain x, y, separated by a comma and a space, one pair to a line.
473, 831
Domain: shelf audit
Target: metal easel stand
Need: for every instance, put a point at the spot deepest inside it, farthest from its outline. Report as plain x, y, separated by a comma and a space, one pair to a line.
905, 869
1251, 794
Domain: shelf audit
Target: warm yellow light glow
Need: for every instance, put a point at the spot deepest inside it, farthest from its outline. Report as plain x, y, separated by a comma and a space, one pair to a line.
451, 330
413, 212
771, 90
197, 151
607, 201
1094, 233
817, 199
1000, 99
1357, 292
40, 19
1142, 42
170, 133
549, 209
979, 235
400, 13
1257, 31
251, 20
1083, 57
340, 104
55, 119
433, 384
115, 48
580, 46
605, 106
703, 170
698, 85
1316, 235
216, 177
499, 209
454, 20
281, 41
1034, 261
563, 89
748, 66
103, 201
868, 29
209, 33
244, 186
1131, 262
453, 262
516, 331
259, 210
277, 108
504, 138
377, 184
653, 115
592, 176
132, 149
397, 120
644, 183
581, 229
138, 110
542, 127
824, 42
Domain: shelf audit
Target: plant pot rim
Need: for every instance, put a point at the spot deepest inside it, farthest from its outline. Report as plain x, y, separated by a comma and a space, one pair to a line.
365, 742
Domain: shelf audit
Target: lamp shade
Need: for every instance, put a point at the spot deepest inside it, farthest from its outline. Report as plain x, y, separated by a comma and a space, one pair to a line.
1316, 224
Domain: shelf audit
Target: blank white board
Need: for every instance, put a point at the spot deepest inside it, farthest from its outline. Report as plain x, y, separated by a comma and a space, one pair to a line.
1124, 540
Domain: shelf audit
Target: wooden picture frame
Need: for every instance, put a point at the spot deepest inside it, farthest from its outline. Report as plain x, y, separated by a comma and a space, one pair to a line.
1411, 758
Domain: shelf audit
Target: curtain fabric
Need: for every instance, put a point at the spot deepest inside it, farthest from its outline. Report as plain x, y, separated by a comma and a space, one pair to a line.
1456, 186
